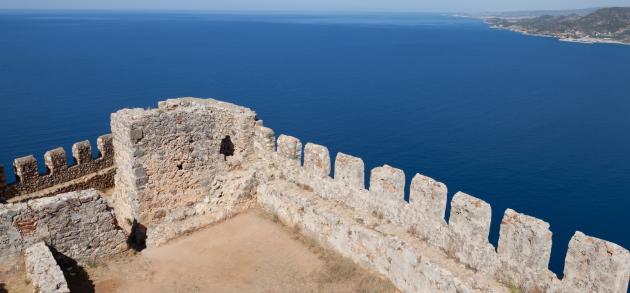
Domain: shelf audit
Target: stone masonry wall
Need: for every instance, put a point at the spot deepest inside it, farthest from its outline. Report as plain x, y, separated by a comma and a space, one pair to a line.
192, 162
411, 243
79, 225
181, 166
43, 271
61, 177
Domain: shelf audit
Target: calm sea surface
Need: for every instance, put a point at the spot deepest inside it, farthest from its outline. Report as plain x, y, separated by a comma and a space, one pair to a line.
529, 123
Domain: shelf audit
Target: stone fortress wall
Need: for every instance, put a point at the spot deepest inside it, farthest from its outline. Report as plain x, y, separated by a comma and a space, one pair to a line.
60, 177
79, 225
181, 166
192, 162
410, 242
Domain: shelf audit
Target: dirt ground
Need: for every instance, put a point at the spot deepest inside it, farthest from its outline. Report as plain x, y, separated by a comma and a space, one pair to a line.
248, 253
13, 279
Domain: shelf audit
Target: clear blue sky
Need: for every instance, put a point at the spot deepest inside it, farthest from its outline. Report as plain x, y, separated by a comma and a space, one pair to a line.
315, 5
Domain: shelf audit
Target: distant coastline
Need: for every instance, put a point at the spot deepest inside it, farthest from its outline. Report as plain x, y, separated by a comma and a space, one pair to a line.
559, 37
606, 25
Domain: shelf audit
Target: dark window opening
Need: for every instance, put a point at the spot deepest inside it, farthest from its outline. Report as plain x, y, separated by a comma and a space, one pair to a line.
227, 147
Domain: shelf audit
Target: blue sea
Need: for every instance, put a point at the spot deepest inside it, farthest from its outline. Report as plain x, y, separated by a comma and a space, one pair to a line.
528, 123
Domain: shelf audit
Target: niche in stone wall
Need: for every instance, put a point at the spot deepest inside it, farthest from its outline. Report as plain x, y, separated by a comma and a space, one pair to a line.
227, 147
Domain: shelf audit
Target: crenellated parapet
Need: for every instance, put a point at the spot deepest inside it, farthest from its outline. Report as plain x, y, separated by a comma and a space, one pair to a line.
60, 176
521, 259
192, 162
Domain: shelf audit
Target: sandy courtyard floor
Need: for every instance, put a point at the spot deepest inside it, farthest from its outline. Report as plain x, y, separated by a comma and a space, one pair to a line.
247, 253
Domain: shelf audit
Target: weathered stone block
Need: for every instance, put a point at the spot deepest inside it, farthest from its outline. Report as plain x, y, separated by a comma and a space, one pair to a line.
350, 170
55, 160
470, 218
317, 160
524, 250
389, 181
289, 147
82, 152
428, 197
26, 169
43, 271
469, 224
105, 145
265, 139
595, 265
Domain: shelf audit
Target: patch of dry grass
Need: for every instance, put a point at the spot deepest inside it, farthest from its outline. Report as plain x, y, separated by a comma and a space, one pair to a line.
374, 285
338, 270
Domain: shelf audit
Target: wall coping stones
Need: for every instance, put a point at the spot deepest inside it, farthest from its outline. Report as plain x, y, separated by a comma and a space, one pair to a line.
43, 271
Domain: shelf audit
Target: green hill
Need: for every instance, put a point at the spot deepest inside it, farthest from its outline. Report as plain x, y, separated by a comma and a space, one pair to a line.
612, 24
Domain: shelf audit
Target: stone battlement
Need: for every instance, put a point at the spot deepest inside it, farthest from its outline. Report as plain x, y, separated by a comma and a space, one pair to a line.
60, 176
191, 162
522, 256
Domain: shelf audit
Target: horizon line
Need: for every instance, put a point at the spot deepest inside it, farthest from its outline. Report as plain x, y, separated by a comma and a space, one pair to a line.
283, 11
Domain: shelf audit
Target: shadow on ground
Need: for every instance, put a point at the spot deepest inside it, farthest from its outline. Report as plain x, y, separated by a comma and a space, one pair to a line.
77, 278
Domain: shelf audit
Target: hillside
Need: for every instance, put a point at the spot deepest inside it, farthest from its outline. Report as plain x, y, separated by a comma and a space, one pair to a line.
604, 25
